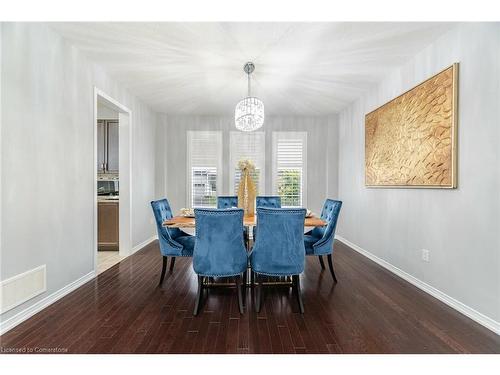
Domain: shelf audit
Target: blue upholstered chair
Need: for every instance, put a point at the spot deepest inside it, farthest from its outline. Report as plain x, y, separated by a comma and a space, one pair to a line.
269, 201
219, 250
227, 201
319, 241
173, 242
279, 248
231, 201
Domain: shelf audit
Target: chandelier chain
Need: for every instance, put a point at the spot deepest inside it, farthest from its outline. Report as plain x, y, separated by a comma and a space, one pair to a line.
248, 76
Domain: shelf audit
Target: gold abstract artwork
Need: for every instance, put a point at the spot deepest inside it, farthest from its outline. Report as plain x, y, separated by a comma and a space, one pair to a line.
411, 140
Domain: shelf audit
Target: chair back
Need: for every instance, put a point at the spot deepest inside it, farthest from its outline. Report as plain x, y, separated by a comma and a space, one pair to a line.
330, 213
272, 201
279, 247
220, 248
166, 236
228, 201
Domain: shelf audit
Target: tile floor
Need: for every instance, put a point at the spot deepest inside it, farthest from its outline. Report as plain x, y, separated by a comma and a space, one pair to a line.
107, 259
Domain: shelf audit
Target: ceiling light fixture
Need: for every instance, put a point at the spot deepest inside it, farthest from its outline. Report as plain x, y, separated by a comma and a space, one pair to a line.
249, 112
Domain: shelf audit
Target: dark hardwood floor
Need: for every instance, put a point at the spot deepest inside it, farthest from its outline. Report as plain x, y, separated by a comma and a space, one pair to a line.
370, 310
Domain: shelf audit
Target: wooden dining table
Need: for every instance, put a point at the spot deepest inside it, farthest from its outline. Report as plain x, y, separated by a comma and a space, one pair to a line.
248, 221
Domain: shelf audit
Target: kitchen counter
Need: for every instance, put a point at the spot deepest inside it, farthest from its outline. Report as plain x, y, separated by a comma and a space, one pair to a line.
108, 199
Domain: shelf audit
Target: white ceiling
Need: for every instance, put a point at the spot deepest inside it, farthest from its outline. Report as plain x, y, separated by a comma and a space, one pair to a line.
301, 68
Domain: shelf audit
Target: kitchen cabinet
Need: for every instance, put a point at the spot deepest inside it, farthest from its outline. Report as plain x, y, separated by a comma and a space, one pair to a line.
101, 138
107, 146
113, 141
108, 233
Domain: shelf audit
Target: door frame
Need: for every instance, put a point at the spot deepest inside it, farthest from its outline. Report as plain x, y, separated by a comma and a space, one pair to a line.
125, 173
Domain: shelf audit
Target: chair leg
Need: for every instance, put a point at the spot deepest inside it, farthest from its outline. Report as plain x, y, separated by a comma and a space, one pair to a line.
206, 281
172, 264
163, 269
198, 296
321, 263
296, 283
240, 294
330, 265
245, 278
258, 292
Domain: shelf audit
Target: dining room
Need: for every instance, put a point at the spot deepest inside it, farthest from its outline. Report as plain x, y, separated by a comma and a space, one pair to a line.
274, 188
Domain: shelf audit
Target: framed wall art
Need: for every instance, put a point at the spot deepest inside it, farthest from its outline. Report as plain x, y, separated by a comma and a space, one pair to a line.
411, 140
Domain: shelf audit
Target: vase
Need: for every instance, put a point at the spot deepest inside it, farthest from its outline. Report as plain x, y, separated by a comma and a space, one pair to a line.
246, 193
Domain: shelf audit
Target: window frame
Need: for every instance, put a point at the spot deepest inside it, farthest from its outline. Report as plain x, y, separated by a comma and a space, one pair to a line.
189, 168
290, 135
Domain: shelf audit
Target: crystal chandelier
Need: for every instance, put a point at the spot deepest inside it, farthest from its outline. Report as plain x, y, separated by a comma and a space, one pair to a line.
249, 112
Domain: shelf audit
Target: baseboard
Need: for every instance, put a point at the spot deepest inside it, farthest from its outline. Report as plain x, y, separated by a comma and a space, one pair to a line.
482, 319
42, 304
142, 244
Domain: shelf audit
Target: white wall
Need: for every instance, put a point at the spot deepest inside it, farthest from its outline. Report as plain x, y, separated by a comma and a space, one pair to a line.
47, 170
322, 153
461, 227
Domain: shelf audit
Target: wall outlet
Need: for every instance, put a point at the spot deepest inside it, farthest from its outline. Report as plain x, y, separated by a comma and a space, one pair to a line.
425, 255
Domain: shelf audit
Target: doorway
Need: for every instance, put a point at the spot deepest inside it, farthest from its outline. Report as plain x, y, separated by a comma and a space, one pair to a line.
112, 182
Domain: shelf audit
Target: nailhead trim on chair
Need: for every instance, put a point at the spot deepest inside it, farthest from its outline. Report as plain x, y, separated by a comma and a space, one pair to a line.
276, 274
220, 211
272, 210
229, 275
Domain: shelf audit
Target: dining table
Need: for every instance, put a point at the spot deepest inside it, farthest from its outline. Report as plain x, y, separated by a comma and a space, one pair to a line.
248, 221
182, 221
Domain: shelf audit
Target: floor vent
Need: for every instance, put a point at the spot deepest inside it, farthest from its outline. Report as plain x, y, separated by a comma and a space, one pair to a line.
21, 288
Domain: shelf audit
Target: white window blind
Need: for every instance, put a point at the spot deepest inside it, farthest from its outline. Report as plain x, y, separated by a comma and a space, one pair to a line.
289, 167
204, 155
251, 146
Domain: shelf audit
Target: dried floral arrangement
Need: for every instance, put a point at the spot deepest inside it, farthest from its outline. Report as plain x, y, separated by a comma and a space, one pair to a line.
246, 190
246, 164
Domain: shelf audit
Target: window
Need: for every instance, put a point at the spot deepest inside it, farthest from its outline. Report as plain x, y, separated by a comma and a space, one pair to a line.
204, 186
251, 146
289, 167
204, 157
